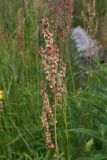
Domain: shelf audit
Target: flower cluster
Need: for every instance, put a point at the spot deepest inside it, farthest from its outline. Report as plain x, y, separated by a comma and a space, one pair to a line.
69, 13
61, 75
1, 100
54, 69
63, 15
53, 64
46, 113
46, 104
84, 43
92, 14
50, 56
91, 20
1, 95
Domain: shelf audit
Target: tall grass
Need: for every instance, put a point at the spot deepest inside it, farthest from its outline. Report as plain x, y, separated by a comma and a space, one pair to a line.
82, 120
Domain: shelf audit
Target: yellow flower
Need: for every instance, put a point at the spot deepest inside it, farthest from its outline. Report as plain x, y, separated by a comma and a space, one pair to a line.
1, 95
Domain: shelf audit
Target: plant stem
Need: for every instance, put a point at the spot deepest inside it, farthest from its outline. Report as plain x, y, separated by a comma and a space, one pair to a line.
55, 129
66, 127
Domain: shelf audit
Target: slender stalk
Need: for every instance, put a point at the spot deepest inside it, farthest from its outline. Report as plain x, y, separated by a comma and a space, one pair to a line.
66, 126
90, 76
55, 130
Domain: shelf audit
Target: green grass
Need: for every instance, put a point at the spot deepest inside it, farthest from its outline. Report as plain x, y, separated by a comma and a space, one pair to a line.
83, 115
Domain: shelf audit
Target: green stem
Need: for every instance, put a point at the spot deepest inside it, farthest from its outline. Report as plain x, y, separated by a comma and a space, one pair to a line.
55, 129
66, 126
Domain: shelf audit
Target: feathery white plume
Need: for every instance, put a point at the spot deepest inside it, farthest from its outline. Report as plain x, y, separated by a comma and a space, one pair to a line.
84, 43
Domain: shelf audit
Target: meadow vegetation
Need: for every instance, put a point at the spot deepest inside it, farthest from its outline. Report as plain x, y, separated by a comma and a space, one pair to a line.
52, 107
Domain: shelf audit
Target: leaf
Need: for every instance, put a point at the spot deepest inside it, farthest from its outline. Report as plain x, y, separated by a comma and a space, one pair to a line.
98, 156
89, 144
91, 133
